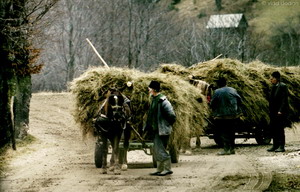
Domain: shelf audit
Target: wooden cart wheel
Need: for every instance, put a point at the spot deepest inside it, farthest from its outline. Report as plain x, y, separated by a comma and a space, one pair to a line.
261, 138
98, 154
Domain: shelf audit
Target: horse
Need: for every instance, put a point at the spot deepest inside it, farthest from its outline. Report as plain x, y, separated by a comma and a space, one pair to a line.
110, 125
207, 90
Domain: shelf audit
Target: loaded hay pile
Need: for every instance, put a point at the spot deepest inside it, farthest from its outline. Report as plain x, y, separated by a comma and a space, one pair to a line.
291, 77
188, 102
250, 80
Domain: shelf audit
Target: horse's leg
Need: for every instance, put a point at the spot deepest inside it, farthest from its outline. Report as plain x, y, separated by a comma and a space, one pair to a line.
115, 152
112, 157
104, 156
127, 134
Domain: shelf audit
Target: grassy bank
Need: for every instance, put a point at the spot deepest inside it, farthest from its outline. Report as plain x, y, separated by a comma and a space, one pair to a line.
284, 182
7, 153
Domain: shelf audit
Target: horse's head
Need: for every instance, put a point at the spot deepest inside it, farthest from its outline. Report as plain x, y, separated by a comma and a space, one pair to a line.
115, 105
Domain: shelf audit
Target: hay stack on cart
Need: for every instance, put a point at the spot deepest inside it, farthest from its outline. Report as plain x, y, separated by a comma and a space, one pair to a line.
252, 83
188, 102
289, 76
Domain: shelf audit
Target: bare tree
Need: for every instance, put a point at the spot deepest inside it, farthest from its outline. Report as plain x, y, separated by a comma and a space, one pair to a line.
286, 41
129, 33
66, 53
18, 63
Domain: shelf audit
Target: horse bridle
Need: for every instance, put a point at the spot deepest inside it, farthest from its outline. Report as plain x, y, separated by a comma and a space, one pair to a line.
117, 109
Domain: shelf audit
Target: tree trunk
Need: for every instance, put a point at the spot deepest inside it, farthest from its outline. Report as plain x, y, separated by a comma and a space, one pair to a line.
218, 4
129, 35
13, 43
21, 106
17, 64
6, 122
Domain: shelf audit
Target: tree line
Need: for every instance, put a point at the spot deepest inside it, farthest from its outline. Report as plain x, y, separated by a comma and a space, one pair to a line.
143, 34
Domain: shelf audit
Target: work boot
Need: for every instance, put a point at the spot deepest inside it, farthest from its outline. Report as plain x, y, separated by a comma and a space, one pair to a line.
167, 168
159, 168
273, 148
280, 149
226, 149
224, 152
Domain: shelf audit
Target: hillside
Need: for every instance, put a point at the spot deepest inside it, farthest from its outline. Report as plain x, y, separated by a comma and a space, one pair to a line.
262, 15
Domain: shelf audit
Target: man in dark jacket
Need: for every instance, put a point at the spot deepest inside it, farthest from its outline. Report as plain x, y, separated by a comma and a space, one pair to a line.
278, 104
160, 119
225, 105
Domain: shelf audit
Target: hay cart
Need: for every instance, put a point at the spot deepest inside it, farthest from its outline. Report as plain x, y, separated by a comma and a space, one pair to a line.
258, 132
137, 144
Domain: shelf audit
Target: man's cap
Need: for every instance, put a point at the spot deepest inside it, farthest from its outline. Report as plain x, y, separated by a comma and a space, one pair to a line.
221, 82
154, 85
276, 75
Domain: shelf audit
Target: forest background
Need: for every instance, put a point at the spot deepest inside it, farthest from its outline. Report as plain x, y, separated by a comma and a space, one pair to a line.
142, 34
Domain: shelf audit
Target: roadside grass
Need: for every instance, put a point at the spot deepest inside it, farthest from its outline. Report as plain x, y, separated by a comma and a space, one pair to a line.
7, 153
284, 182
3, 160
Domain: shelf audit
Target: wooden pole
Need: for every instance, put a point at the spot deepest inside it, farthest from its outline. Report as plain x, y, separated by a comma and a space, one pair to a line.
12, 127
105, 64
216, 57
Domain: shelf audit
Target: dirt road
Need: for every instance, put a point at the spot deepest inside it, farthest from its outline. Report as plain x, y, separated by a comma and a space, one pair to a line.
61, 161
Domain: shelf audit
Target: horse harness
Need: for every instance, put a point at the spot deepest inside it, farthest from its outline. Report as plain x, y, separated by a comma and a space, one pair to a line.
118, 114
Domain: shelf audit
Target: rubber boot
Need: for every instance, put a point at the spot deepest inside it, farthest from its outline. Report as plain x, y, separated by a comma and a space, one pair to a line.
226, 150
280, 149
159, 168
273, 148
167, 168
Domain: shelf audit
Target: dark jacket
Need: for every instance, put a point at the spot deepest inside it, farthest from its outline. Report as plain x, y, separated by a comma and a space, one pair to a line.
165, 116
279, 100
226, 103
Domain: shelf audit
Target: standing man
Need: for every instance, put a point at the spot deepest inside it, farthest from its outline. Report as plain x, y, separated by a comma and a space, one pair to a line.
226, 111
160, 119
278, 105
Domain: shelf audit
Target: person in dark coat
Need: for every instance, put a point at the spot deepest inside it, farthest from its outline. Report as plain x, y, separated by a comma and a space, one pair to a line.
226, 110
160, 119
279, 107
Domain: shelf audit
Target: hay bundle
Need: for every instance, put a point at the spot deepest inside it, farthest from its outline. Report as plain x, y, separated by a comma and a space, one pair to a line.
291, 77
250, 80
249, 84
89, 90
174, 69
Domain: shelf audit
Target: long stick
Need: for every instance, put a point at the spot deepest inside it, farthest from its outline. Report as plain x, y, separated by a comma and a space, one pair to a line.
137, 133
105, 64
217, 57
12, 126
